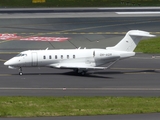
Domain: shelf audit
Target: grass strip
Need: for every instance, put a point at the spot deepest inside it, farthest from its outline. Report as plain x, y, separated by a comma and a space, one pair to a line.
149, 46
77, 3
76, 106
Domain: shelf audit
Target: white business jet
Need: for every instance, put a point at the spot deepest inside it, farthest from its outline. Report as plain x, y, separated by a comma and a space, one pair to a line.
80, 60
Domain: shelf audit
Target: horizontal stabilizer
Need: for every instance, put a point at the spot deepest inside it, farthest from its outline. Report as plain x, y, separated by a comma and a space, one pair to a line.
140, 33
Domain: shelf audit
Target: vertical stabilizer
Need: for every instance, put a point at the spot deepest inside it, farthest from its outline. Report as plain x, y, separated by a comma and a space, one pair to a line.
130, 41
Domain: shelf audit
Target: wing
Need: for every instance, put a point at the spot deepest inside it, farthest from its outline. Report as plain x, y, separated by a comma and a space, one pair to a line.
75, 66
79, 66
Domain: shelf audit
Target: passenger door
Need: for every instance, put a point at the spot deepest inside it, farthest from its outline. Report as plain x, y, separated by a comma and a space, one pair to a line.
34, 59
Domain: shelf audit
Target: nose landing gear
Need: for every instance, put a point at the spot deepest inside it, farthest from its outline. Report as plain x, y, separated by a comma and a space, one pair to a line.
20, 71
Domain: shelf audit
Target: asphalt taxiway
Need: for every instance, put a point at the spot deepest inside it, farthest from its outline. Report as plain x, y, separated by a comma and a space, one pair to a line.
137, 76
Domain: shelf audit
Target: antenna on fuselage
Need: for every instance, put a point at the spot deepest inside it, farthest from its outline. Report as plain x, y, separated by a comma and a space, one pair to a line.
46, 48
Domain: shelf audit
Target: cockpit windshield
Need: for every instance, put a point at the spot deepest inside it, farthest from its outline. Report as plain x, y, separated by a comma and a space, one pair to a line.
20, 55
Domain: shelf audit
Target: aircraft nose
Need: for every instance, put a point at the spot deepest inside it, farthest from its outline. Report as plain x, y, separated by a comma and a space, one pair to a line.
10, 62
7, 63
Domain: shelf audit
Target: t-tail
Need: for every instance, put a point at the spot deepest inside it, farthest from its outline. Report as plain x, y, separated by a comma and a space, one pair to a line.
130, 41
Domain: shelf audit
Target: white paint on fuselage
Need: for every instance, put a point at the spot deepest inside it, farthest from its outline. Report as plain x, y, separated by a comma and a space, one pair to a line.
89, 57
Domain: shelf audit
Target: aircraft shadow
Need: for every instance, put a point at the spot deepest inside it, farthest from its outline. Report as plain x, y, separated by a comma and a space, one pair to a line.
127, 72
96, 74
86, 75
67, 74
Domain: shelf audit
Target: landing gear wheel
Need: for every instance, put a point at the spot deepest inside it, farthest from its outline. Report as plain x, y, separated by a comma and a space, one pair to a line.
20, 73
80, 71
76, 70
83, 73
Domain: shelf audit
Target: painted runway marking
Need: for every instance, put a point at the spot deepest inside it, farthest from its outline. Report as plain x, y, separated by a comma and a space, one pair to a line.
86, 89
59, 39
15, 37
145, 12
9, 36
2, 60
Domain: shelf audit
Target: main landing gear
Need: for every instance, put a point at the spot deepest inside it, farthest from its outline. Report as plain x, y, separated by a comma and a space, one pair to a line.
20, 71
81, 71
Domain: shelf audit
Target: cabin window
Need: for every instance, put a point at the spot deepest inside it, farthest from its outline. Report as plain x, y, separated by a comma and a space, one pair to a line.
55, 56
44, 57
73, 56
61, 56
67, 56
50, 57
